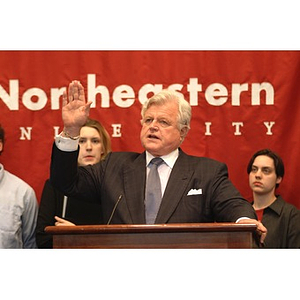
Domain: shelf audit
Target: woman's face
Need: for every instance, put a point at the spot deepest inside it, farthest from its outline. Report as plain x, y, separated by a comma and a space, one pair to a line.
90, 146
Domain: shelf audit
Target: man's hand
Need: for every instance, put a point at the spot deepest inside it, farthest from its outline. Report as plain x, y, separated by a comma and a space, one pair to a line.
75, 110
62, 222
261, 229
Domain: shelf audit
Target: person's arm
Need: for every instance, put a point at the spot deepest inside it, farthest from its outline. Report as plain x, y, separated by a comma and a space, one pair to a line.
29, 218
229, 203
75, 111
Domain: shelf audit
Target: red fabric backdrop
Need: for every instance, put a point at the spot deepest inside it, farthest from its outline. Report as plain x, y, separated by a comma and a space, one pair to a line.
242, 101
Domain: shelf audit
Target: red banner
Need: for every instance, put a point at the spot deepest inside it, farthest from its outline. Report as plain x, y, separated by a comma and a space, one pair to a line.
242, 101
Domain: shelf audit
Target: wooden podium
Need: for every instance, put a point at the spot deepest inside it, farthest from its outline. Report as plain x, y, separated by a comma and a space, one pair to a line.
170, 236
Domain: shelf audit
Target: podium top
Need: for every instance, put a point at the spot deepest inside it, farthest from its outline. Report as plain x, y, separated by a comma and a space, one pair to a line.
135, 228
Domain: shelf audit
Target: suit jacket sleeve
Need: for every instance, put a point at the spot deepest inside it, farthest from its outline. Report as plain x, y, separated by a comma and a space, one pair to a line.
63, 169
83, 183
226, 201
103, 183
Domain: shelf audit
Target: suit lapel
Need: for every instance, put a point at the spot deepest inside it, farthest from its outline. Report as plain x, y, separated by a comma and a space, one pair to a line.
134, 186
178, 181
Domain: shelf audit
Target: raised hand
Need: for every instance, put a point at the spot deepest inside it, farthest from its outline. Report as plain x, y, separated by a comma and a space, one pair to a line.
75, 109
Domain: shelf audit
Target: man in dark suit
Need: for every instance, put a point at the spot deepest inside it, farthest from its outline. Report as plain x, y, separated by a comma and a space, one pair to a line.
194, 189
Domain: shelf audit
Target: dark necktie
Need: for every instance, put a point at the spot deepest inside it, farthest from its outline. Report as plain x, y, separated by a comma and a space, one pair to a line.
153, 191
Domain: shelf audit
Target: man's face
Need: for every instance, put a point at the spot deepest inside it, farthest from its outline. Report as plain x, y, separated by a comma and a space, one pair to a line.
263, 178
160, 134
90, 146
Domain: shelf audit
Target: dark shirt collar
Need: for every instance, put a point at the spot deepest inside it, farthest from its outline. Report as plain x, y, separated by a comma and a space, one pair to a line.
277, 205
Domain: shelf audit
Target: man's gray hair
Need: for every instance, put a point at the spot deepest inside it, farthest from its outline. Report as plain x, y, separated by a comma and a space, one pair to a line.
185, 110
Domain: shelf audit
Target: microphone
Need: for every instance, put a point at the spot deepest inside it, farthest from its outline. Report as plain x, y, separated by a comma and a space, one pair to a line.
114, 209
